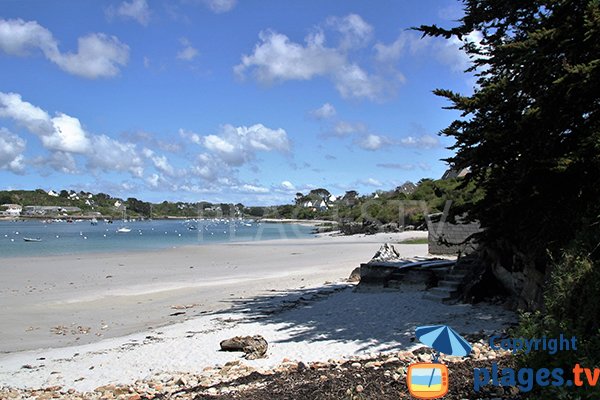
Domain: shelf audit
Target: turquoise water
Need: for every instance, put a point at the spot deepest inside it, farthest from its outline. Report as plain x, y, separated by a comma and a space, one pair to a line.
82, 237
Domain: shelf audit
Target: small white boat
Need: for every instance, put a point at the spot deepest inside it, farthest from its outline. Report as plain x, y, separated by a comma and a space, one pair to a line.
27, 239
123, 230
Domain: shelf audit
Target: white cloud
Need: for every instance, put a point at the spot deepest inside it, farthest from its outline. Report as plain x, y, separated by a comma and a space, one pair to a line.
326, 111
445, 51
207, 167
191, 136
277, 59
57, 161
11, 151
353, 81
68, 135
64, 136
231, 148
61, 133
108, 154
188, 53
135, 9
238, 145
371, 182
18, 37
355, 31
220, 6
287, 185
373, 142
407, 167
153, 180
160, 162
449, 51
98, 55
345, 128
26, 114
246, 188
406, 43
423, 141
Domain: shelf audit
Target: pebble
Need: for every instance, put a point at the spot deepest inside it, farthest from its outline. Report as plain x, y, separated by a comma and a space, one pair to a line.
216, 380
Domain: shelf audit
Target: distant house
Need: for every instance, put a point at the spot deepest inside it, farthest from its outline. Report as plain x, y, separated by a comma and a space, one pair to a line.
33, 211
12, 210
52, 193
406, 188
455, 173
307, 204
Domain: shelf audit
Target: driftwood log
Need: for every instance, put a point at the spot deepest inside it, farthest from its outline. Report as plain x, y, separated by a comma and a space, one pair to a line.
254, 346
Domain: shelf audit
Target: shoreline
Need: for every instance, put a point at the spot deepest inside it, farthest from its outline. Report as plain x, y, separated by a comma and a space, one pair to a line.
310, 326
80, 323
111, 295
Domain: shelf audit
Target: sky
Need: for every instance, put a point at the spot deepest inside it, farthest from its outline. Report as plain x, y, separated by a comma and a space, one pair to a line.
235, 101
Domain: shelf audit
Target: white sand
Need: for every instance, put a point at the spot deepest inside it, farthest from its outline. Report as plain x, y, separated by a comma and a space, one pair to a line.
75, 291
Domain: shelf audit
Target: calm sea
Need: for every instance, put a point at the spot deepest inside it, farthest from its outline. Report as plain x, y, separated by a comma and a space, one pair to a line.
58, 238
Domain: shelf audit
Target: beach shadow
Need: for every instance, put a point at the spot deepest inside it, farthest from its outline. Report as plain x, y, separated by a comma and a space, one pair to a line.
377, 320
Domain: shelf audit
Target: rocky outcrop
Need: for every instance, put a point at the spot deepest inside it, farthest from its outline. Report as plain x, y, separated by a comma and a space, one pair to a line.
386, 252
254, 346
354, 275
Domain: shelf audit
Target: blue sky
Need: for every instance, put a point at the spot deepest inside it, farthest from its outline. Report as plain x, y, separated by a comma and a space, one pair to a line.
223, 100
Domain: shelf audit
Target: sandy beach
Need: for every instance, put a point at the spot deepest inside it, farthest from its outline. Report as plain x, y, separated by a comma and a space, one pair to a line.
85, 321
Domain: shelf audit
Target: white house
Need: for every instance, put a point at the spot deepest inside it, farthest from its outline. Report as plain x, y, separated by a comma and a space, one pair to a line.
52, 193
12, 210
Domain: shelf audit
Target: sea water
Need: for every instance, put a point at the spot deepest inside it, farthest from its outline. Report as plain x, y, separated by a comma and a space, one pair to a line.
57, 238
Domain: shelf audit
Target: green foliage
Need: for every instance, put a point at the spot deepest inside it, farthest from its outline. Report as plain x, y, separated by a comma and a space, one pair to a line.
415, 241
572, 309
139, 207
105, 204
530, 132
5, 198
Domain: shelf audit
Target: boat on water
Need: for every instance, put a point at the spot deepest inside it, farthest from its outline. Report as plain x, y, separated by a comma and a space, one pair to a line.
124, 229
94, 221
27, 239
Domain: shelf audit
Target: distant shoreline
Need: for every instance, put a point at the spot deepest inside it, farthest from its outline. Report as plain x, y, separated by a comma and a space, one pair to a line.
167, 217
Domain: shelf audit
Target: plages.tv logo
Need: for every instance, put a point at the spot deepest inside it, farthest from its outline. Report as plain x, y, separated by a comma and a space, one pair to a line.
430, 380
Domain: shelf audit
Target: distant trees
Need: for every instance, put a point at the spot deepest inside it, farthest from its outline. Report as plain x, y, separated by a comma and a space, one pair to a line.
140, 207
5, 198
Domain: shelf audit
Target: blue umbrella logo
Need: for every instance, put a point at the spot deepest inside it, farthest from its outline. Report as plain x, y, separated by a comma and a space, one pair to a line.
443, 339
